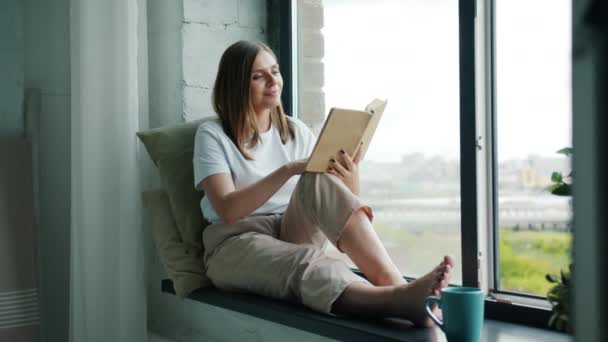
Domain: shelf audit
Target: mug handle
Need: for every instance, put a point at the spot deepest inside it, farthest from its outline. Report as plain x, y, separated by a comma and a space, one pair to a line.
427, 302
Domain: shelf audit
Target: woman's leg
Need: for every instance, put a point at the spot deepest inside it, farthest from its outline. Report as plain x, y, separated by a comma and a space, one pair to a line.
322, 206
404, 301
361, 243
261, 264
322, 203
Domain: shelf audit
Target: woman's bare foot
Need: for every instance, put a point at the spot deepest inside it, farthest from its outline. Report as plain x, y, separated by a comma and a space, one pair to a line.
409, 298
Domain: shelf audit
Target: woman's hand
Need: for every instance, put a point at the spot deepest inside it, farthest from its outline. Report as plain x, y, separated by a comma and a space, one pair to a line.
297, 167
347, 170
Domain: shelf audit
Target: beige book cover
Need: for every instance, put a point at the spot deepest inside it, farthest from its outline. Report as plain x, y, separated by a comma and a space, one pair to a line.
345, 129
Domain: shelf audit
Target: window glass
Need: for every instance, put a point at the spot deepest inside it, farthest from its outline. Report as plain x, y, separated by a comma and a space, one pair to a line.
533, 104
406, 52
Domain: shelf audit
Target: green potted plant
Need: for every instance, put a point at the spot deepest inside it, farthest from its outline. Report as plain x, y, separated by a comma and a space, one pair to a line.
560, 298
561, 186
559, 295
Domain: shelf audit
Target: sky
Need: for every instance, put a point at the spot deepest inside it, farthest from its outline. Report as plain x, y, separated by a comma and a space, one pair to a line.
406, 51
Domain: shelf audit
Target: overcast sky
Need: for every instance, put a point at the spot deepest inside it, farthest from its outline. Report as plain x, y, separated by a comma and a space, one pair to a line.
407, 51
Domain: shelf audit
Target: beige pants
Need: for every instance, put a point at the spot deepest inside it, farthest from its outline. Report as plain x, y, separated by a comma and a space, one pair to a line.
283, 255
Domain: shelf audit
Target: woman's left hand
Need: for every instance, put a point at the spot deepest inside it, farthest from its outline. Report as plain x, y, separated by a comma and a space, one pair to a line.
347, 170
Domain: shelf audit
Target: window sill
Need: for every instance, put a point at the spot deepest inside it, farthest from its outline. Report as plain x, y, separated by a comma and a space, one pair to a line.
299, 317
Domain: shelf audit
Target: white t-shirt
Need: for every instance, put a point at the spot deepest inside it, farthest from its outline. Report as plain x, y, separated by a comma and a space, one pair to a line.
214, 153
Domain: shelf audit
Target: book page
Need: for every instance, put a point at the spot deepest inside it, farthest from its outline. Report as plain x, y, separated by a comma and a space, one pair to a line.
343, 129
376, 108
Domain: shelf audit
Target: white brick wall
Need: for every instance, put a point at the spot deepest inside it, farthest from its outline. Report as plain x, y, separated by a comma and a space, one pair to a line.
203, 46
313, 44
210, 11
312, 73
197, 103
311, 106
252, 13
311, 12
244, 13
186, 39
209, 27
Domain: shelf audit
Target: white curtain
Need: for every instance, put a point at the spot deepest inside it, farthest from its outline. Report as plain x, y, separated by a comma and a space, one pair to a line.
108, 105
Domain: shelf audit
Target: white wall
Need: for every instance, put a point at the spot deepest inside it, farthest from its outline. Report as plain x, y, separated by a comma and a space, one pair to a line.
47, 66
164, 61
11, 68
185, 42
311, 74
209, 27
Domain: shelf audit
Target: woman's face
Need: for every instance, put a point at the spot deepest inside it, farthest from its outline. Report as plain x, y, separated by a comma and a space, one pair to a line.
265, 83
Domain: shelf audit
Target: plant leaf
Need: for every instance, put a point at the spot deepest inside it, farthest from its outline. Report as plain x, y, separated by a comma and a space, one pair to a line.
556, 177
565, 277
566, 151
552, 319
561, 189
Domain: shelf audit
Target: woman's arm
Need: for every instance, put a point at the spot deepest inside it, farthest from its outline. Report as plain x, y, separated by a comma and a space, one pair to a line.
231, 204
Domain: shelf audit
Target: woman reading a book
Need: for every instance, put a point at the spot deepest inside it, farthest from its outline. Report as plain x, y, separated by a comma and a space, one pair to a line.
271, 221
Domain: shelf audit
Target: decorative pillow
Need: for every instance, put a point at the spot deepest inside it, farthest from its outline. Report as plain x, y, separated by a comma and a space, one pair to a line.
183, 264
171, 149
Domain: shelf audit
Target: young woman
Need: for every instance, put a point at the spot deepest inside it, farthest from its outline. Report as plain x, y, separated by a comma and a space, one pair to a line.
271, 221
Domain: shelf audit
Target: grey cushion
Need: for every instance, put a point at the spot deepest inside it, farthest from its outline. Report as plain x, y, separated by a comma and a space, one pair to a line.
171, 149
184, 264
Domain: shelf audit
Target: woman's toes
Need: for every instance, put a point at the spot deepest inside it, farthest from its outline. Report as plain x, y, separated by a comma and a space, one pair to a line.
448, 273
440, 270
436, 287
449, 260
440, 284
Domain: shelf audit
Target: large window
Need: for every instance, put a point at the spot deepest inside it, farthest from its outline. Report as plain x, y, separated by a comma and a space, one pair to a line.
422, 181
406, 52
533, 121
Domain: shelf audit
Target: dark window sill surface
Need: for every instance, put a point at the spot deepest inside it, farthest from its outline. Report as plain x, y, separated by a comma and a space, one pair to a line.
352, 329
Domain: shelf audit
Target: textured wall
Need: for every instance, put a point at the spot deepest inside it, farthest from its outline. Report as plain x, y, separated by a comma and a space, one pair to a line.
209, 27
185, 41
311, 105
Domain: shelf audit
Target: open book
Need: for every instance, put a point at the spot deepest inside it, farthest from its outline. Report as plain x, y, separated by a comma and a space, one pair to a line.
345, 129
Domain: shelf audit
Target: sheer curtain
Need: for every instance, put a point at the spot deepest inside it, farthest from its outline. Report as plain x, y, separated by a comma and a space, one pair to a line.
108, 105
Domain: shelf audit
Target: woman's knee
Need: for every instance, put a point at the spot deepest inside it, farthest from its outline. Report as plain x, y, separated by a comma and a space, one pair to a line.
319, 189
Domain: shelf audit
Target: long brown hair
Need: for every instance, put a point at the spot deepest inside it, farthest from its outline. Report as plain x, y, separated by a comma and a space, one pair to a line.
231, 99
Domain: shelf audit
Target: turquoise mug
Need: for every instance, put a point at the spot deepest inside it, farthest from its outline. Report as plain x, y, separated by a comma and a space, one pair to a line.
462, 311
